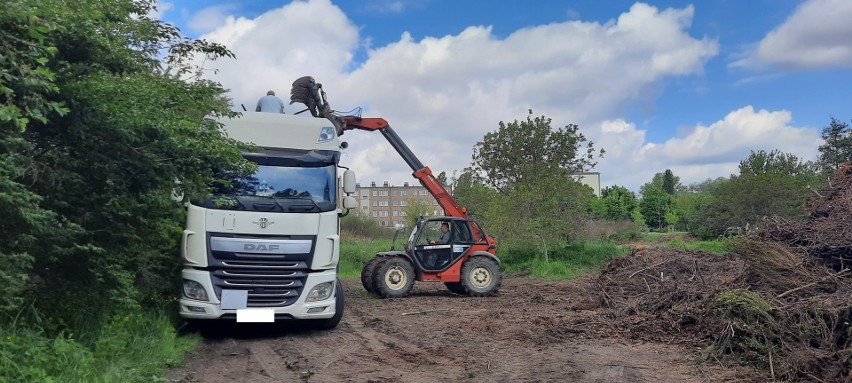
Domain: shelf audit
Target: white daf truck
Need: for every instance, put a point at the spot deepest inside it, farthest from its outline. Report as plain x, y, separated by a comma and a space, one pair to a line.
267, 247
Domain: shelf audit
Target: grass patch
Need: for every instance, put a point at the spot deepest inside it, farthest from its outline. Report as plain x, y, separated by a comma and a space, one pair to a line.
563, 262
713, 246
354, 253
130, 348
682, 240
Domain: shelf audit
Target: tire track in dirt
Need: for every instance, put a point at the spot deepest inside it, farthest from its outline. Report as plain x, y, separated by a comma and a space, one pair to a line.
525, 334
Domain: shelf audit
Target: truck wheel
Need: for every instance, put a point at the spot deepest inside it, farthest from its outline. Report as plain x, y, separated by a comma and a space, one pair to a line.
393, 278
455, 287
330, 323
367, 275
481, 276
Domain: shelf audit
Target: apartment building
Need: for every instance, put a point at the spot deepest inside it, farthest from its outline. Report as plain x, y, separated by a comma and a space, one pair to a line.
389, 204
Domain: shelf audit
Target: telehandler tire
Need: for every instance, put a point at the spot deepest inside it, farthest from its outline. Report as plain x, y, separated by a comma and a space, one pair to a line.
481, 276
367, 275
393, 277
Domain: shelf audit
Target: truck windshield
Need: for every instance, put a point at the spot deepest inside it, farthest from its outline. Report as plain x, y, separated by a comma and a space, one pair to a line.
279, 188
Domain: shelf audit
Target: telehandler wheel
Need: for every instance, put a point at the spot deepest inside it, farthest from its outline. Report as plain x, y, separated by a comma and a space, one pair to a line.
393, 277
455, 287
481, 276
367, 275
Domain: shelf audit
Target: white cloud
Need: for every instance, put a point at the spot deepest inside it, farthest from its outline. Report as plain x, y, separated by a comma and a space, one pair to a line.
210, 18
160, 8
706, 151
817, 35
442, 94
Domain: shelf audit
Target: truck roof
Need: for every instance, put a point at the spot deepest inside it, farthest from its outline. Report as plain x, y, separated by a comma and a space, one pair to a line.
282, 131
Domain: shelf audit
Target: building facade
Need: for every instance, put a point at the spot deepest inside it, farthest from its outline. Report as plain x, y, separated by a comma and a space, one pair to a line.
389, 205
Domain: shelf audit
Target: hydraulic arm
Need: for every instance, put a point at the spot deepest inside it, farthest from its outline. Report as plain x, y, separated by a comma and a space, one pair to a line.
421, 173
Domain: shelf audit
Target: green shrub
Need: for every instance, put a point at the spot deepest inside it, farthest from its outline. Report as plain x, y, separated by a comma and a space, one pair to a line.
129, 348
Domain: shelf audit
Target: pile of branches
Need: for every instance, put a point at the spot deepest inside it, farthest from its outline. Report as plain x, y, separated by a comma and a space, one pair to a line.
827, 231
763, 305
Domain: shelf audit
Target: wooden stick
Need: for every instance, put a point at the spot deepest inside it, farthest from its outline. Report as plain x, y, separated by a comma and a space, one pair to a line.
426, 311
771, 366
652, 266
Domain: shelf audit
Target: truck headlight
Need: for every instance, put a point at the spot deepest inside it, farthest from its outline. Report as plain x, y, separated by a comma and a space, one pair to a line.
194, 290
320, 292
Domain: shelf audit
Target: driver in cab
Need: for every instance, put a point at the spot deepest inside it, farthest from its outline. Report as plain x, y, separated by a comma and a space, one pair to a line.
445, 236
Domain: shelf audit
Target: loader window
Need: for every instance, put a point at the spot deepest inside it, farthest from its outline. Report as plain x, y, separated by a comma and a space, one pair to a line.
461, 232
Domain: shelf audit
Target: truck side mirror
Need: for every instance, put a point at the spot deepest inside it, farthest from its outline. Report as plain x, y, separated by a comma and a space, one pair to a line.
348, 182
349, 202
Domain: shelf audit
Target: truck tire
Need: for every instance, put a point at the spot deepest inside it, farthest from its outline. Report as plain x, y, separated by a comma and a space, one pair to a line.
330, 323
367, 275
481, 276
393, 277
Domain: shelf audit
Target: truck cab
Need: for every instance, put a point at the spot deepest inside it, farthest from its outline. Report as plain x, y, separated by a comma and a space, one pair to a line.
266, 246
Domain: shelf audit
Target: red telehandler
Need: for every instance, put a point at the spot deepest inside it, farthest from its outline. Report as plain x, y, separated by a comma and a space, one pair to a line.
464, 259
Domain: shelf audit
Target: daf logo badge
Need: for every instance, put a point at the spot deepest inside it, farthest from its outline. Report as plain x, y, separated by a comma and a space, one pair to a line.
263, 222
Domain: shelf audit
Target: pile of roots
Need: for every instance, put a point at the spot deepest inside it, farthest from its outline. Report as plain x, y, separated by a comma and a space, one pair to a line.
827, 232
763, 305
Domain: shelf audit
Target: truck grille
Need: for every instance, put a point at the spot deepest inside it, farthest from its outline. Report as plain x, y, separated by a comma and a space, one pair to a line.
273, 278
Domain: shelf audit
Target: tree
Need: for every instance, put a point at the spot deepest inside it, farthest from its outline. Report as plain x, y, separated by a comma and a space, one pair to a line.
669, 182
837, 148
618, 202
768, 184
529, 168
415, 209
655, 205
98, 127
659, 180
519, 152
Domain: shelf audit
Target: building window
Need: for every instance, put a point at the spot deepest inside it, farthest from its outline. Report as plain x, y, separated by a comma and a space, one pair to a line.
403, 214
383, 193
435, 202
384, 223
364, 196
383, 203
375, 203
395, 203
403, 192
395, 192
403, 203
396, 213
422, 192
375, 214
383, 213
364, 207
434, 212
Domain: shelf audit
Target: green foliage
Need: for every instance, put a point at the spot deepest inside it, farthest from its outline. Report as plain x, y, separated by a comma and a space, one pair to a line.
354, 253
521, 185
361, 226
565, 262
669, 182
130, 348
618, 202
527, 151
768, 184
656, 204
837, 148
415, 209
95, 128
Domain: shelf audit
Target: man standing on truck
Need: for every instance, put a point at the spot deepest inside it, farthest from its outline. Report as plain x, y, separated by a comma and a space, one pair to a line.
270, 103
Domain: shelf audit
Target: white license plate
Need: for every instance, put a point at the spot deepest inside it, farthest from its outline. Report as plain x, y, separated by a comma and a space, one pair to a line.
256, 315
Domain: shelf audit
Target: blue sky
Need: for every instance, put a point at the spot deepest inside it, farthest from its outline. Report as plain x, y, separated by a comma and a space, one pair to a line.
660, 84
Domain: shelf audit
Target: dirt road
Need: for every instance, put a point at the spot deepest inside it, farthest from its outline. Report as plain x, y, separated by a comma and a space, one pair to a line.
534, 331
